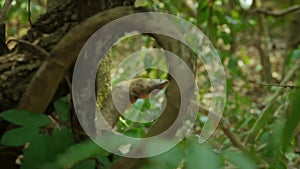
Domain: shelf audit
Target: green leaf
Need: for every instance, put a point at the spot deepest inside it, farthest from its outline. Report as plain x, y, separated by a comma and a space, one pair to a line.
25, 118
233, 64
276, 142
146, 105
19, 136
49, 166
292, 56
203, 15
240, 160
105, 162
295, 54
266, 139
61, 107
139, 104
203, 4
45, 148
79, 152
86, 164
202, 156
234, 14
213, 32
292, 121
167, 160
226, 38
264, 118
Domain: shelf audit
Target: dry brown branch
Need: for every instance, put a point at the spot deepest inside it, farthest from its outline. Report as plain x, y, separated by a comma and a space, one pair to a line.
39, 49
29, 12
260, 83
278, 13
232, 137
225, 125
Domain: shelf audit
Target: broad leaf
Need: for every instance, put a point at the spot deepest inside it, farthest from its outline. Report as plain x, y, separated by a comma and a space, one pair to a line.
25, 118
19, 136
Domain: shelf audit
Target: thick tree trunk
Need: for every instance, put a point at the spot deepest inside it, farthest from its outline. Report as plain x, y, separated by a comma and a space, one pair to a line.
18, 67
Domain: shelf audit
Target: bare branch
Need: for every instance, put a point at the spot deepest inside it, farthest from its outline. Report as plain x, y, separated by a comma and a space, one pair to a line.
43, 51
278, 13
225, 125
261, 83
29, 12
263, 119
232, 137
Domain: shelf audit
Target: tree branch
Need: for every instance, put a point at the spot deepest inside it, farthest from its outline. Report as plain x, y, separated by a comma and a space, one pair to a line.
138, 88
225, 125
264, 117
173, 94
43, 85
39, 49
278, 13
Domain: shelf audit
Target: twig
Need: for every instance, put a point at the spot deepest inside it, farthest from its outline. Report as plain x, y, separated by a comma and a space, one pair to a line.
5, 10
43, 51
262, 83
278, 13
68, 82
262, 120
262, 44
277, 85
65, 124
29, 12
226, 129
232, 137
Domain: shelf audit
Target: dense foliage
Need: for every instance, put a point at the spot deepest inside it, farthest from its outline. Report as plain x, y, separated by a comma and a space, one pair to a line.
260, 124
